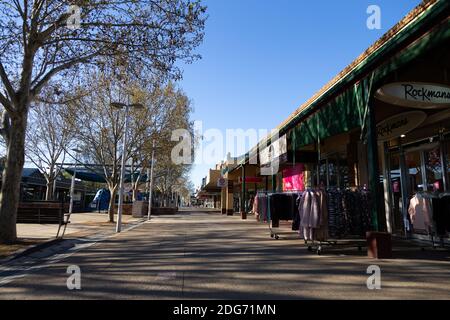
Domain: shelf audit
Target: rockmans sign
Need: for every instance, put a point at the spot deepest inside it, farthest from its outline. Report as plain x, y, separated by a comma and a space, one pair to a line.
415, 95
400, 124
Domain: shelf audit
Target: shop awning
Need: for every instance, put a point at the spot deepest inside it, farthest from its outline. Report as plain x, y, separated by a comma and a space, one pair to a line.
340, 106
347, 111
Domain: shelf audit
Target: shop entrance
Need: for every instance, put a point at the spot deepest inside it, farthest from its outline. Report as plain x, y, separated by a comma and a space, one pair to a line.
413, 168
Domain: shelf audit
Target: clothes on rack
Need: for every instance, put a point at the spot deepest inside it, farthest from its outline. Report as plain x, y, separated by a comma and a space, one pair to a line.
296, 219
255, 207
282, 207
321, 233
348, 212
318, 214
260, 206
420, 212
310, 214
337, 219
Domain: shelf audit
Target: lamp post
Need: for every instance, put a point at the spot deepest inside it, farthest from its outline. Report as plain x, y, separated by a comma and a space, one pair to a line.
150, 189
72, 184
127, 107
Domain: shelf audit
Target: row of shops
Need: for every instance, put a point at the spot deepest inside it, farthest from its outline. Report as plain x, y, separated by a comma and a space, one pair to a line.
381, 126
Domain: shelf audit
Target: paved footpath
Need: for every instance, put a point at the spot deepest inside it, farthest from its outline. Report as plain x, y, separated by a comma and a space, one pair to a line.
198, 255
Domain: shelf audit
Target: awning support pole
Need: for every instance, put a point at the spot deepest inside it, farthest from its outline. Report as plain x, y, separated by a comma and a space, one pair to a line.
372, 156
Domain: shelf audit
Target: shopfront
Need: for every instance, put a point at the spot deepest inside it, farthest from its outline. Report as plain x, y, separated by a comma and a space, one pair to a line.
414, 144
382, 125
376, 139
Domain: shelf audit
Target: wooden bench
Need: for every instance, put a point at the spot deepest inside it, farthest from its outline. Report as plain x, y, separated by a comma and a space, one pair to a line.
43, 212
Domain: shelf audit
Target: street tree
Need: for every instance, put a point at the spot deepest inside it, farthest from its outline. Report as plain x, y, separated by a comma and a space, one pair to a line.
99, 129
44, 40
171, 175
49, 136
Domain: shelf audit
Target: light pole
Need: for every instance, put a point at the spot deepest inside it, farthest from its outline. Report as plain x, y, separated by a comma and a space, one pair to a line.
127, 107
150, 190
72, 184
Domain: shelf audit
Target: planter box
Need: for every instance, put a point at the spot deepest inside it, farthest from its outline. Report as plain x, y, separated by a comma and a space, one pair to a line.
164, 211
140, 209
127, 209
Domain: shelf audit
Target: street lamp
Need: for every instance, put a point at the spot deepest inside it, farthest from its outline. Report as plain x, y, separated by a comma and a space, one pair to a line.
72, 184
150, 191
127, 107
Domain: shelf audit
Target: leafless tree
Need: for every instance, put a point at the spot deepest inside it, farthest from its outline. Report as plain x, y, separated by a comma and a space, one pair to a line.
41, 40
49, 136
172, 176
99, 129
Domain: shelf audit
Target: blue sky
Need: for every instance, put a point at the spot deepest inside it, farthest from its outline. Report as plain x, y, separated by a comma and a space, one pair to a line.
262, 59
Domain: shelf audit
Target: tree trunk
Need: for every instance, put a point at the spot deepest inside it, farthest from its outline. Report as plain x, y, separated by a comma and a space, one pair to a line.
112, 204
49, 191
12, 175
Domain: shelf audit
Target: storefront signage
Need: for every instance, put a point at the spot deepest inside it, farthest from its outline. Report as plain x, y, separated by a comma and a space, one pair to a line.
400, 124
222, 182
275, 151
250, 180
415, 95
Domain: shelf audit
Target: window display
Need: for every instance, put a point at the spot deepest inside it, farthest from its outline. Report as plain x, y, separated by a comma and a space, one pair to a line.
434, 172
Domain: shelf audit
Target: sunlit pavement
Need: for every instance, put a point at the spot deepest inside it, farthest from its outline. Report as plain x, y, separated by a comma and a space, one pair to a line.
204, 255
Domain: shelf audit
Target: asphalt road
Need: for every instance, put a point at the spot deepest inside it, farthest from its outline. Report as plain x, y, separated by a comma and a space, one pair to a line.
199, 255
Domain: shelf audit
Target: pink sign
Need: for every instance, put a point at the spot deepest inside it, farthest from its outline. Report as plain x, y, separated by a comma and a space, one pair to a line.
293, 178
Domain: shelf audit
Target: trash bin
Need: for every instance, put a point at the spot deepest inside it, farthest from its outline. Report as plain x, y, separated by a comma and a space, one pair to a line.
379, 245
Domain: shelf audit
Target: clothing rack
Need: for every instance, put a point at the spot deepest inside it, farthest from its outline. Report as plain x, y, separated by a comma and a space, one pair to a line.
316, 245
275, 234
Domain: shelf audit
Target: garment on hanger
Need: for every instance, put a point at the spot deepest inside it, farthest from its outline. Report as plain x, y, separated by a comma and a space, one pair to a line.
336, 215
296, 218
255, 207
261, 206
310, 214
321, 233
282, 207
348, 212
420, 212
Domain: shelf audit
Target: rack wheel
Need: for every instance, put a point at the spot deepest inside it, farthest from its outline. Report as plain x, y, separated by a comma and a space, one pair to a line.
319, 251
277, 238
309, 248
271, 235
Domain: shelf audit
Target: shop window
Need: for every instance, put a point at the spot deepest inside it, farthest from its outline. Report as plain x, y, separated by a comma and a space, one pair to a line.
396, 194
433, 166
414, 172
334, 171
